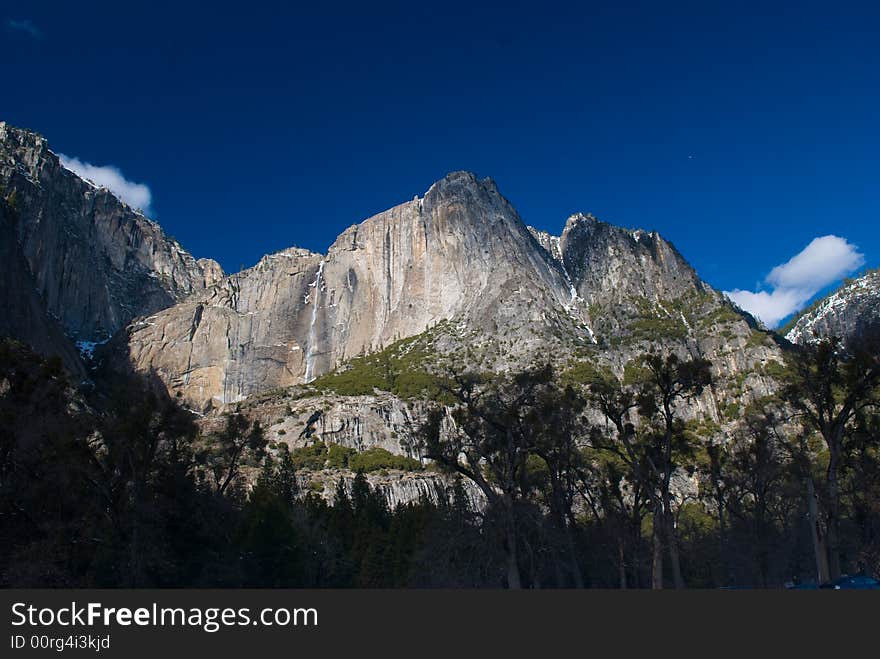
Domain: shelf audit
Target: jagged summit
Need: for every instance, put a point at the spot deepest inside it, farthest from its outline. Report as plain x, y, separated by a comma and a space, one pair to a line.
24, 152
292, 252
29, 152
463, 179
611, 265
580, 218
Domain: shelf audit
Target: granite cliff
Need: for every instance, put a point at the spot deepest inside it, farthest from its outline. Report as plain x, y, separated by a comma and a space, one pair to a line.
460, 252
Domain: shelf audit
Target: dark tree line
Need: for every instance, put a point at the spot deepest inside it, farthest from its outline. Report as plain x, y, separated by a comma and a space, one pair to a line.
597, 480
641, 497
118, 489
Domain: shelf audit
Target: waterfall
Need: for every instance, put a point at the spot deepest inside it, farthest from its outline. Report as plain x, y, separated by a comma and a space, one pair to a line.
310, 353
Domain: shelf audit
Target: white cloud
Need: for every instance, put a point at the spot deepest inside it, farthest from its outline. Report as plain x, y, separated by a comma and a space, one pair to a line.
136, 195
824, 261
771, 307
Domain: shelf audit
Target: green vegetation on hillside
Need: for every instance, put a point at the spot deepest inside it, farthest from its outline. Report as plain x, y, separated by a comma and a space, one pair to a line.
723, 313
658, 327
320, 455
400, 369
580, 373
666, 319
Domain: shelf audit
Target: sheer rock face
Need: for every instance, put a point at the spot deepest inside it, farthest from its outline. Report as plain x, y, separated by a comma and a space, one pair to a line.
246, 334
96, 263
845, 313
24, 314
461, 252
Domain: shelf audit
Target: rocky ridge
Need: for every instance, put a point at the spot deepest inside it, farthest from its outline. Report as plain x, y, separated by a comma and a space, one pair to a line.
454, 277
844, 313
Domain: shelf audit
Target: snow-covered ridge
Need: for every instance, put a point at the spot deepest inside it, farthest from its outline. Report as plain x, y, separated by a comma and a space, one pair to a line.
842, 312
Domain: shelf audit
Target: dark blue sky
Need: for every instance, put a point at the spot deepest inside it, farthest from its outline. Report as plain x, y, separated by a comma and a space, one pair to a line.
739, 131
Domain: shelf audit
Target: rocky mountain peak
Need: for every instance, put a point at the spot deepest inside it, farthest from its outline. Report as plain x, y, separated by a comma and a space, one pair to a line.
95, 262
461, 180
579, 219
612, 266
22, 149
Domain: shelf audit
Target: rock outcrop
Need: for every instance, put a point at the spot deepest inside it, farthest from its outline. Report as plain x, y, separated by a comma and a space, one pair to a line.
398, 487
609, 265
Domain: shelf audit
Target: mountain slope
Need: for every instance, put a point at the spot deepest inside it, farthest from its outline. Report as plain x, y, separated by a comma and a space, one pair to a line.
844, 313
460, 262
96, 263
